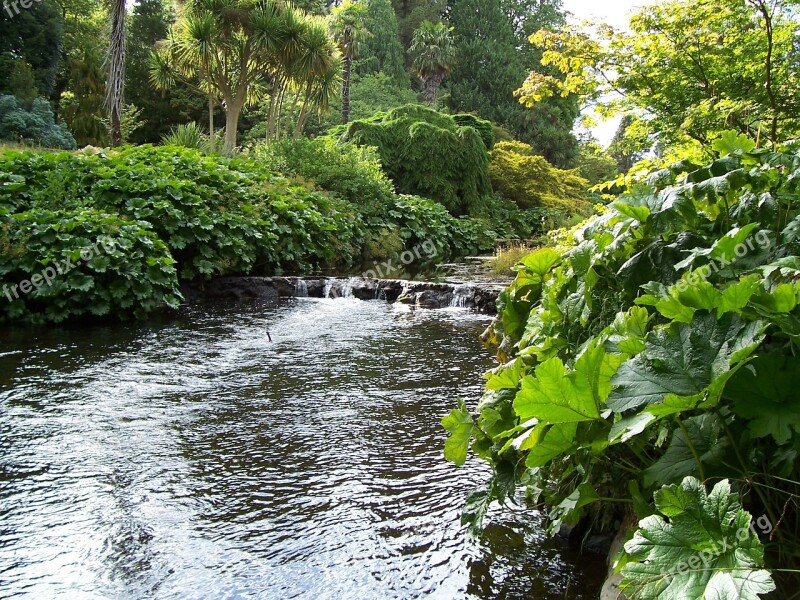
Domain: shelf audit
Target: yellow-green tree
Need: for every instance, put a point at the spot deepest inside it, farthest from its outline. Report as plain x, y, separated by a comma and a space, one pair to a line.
518, 174
690, 68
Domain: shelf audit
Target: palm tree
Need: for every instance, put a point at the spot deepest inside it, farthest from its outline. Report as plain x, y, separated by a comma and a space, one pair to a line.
215, 46
432, 53
115, 82
347, 25
317, 69
241, 51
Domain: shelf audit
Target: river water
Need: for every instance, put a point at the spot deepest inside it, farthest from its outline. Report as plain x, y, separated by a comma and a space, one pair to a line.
195, 458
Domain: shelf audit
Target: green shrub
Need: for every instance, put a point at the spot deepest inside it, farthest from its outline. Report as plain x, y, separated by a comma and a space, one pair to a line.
484, 128
85, 262
189, 135
352, 172
511, 222
217, 215
529, 180
34, 127
427, 153
652, 352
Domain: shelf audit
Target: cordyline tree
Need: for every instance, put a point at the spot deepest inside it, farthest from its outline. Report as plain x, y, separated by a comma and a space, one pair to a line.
238, 51
347, 25
432, 53
692, 69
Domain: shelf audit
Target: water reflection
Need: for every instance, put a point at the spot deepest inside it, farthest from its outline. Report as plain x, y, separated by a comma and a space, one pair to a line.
198, 459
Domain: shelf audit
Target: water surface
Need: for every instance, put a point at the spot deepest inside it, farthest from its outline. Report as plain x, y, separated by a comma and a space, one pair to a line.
195, 458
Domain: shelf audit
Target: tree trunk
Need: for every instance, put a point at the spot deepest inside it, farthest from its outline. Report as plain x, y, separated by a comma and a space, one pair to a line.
348, 64
115, 83
116, 129
272, 107
301, 120
430, 88
231, 125
211, 117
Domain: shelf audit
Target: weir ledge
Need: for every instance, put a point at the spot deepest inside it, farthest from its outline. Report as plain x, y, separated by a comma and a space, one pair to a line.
480, 297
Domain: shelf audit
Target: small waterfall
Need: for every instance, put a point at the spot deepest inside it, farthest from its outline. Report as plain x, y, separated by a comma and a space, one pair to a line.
346, 289
340, 288
300, 288
462, 296
327, 287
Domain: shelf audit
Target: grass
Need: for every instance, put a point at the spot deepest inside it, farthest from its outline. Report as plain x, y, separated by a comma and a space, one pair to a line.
506, 258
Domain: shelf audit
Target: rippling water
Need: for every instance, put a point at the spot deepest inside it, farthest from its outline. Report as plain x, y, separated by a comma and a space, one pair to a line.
198, 459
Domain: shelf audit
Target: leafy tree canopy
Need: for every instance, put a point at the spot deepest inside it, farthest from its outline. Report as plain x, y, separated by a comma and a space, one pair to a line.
491, 60
693, 68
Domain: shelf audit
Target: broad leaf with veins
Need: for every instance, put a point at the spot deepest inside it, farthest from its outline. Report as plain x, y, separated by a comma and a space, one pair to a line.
695, 549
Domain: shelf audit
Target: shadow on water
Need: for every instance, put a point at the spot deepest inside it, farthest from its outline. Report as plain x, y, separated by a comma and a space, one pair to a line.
195, 458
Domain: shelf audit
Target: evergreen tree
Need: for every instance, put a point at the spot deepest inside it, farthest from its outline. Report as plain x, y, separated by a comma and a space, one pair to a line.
85, 25
489, 67
23, 84
83, 109
35, 36
382, 51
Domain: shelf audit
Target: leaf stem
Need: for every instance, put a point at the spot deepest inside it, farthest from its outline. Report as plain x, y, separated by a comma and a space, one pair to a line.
693, 450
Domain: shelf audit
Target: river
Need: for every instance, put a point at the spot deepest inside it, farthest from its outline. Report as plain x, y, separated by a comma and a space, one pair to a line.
281, 450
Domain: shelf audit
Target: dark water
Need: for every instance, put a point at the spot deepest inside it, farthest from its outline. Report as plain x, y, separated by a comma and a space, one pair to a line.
197, 459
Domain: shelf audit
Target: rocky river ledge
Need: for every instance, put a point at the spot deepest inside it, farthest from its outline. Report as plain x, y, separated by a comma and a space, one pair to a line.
481, 297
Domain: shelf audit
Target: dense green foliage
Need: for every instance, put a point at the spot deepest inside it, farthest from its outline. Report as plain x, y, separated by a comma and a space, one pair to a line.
656, 342
34, 127
193, 215
427, 153
162, 109
694, 68
382, 51
34, 37
369, 94
529, 180
351, 171
83, 110
489, 66
354, 173
81, 262
213, 215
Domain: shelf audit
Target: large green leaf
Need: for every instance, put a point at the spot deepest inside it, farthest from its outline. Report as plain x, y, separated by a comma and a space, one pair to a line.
767, 391
555, 442
460, 425
685, 360
730, 142
699, 548
541, 261
556, 395
505, 376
